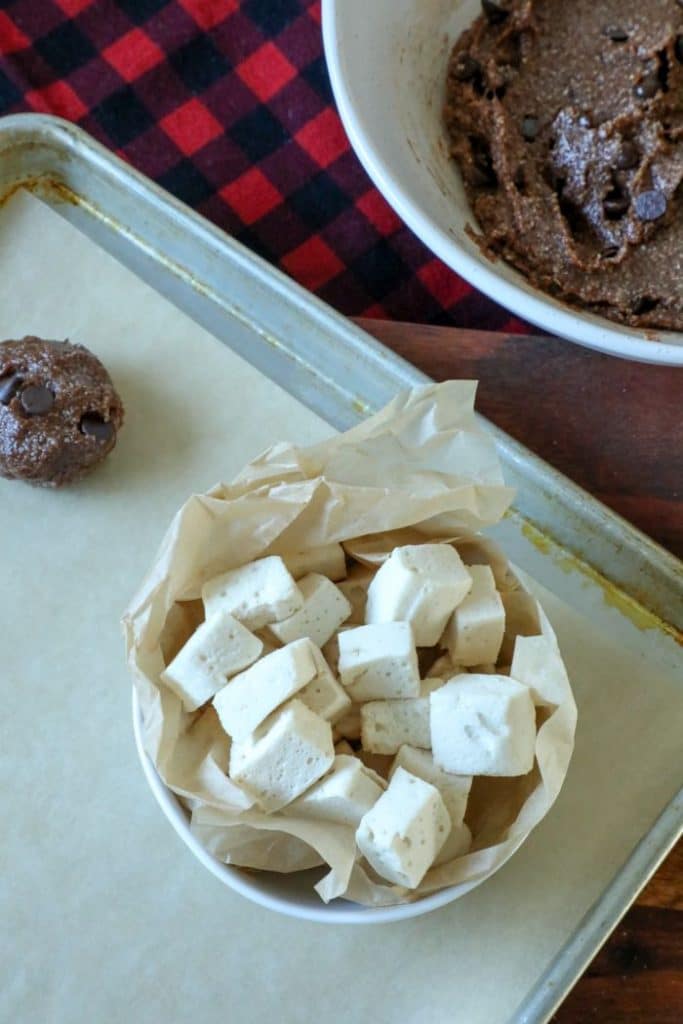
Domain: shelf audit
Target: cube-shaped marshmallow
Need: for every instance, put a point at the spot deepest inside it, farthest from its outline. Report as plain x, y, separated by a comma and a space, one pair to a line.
322, 613
323, 694
221, 647
421, 584
379, 662
474, 632
252, 695
355, 590
288, 753
403, 833
455, 790
537, 663
483, 725
257, 594
388, 724
327, 559
345, 794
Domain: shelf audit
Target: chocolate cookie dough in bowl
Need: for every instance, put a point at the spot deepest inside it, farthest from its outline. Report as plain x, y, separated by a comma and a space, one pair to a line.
389, 66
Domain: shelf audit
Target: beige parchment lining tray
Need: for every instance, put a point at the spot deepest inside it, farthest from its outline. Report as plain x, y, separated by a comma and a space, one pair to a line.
107, 916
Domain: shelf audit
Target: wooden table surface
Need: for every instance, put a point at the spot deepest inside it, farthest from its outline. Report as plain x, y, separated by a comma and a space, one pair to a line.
616, 428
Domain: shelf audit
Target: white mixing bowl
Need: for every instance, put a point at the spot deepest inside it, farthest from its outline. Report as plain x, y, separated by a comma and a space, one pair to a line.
289, 894
387, 61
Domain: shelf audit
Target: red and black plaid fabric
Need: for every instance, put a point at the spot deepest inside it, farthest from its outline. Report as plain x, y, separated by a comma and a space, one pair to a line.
228, 105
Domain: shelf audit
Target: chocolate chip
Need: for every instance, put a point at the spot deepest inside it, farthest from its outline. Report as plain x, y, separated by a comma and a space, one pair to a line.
628, 157
615, 204
678, 49
8, 388
615, 33
610, 252
648, 87
37, 400
495, 14
650, 205
92, 425
529, 128
466, 68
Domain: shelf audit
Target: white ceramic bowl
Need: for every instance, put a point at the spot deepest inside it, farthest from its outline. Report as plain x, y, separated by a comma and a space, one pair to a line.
387, 61
289, 894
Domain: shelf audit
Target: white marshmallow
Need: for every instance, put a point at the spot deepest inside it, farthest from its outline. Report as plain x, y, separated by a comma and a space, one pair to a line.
348, 725
253, 695
257, 594
355, 590
288, 753
475, 630
322, 613
327, 559
221, 647
388, 724
421, 584
403, 833
483, 725
454, 789
345, 794
344, 747
323, 694
537, 663
379, 662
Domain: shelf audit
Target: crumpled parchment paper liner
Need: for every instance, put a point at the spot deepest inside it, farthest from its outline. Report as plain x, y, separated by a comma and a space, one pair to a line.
421, 468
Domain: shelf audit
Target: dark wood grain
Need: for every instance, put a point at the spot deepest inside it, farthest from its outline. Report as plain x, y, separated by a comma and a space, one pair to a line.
616, 428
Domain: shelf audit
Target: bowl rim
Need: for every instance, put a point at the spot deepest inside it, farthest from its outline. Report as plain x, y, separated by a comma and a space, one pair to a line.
538, 308
337, 912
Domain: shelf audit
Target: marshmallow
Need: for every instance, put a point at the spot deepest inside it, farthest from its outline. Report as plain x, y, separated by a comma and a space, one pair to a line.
288, 753
379, 662
355, 590
483, 725
345, 794
387, 724
475, 630
536, 662
253, 695
327, 559
421, 584
344, 747
257, 594
219, 648
323, 694
455, 789
403, 833
323, 610
348, 726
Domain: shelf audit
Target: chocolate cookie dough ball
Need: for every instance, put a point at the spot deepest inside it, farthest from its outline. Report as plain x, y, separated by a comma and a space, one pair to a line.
59, 411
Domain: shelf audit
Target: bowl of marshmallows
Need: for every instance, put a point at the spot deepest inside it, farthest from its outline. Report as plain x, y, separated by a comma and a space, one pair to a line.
347, 723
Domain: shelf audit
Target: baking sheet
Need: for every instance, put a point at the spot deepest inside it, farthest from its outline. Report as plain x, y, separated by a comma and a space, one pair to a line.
109, 915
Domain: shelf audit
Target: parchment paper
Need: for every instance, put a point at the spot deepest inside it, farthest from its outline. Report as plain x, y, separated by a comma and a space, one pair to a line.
421, 466
106, 915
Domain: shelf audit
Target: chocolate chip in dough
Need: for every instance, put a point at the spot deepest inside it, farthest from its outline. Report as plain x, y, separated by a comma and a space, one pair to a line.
37, 400
94, 426
616, 33
529, 128
650, 205
615, 204
9, 386
678, 49
466, 68
495, 14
